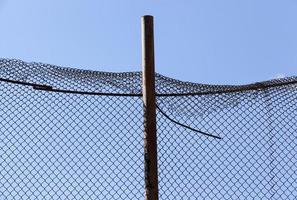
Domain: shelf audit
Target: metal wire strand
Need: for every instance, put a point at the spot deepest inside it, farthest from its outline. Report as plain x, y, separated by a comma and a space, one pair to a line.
185, 126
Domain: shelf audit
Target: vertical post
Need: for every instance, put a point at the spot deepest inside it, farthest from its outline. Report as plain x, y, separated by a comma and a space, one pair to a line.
149, 100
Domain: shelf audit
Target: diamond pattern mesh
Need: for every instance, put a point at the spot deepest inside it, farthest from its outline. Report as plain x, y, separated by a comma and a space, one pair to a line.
78, 134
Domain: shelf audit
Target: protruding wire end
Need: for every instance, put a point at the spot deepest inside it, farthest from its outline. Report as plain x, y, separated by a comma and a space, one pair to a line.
185, 126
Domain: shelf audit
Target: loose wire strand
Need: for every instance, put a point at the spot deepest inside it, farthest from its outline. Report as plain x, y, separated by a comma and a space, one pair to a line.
185, 126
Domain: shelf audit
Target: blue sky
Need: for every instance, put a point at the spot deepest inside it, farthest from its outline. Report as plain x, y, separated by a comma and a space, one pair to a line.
210, 41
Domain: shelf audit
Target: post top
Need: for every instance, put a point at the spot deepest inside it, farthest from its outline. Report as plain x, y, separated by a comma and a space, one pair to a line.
147, 16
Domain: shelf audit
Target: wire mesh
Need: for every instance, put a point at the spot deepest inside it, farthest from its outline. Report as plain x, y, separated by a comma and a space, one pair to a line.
78, 134
67, 146
255, 157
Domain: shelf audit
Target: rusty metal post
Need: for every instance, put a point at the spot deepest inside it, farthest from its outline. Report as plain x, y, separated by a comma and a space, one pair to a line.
149, 100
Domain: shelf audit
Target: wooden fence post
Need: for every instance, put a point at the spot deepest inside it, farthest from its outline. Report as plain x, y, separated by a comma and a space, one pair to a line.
149, 100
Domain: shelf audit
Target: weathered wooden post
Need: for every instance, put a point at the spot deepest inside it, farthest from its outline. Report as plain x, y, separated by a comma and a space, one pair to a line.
149, 100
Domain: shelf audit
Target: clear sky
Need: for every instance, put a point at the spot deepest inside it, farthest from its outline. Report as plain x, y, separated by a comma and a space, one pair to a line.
209, 41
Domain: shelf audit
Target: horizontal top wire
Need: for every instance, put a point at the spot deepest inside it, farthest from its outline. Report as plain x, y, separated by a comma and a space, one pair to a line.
77, 81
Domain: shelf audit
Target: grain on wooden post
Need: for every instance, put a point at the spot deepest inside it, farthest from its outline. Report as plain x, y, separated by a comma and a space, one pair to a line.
149, 100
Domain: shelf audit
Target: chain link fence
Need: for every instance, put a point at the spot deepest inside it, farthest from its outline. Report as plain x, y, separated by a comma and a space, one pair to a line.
78, 134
